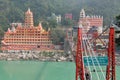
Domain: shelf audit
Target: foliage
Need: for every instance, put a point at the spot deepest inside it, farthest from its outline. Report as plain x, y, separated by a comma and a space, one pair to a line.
117, 41
52, 23
1, 32
13, 10
57, 36
117, 21
67, 22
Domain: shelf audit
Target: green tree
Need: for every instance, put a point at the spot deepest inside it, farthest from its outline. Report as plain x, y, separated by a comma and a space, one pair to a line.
52, 23
1, 32
12, 10
67, 22
117, 22
117, 40
57, 36
4, 23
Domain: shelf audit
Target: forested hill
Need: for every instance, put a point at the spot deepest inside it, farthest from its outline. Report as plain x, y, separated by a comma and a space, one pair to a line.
13, 10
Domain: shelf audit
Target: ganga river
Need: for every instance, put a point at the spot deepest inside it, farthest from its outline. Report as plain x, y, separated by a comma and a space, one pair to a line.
36, 70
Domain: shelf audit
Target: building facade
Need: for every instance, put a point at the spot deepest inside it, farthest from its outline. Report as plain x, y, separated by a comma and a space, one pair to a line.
92, 27
91, 21
55, 17
27, 36
68, 16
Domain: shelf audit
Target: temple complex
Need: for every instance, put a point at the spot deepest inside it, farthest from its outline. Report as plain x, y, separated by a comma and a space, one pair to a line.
89, 22
27, 37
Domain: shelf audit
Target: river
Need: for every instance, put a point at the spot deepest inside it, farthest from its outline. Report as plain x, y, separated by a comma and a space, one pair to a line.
35, 70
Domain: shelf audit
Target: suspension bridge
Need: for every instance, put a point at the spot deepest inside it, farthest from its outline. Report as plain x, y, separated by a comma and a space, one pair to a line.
87, 60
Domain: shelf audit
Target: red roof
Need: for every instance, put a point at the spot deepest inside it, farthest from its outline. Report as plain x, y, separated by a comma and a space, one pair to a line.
93, 21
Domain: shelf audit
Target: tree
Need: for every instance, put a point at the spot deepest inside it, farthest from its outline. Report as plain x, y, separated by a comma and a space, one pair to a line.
1, 34
12, 10
117, 22
52, 23
67, 22
57, 36
117, 40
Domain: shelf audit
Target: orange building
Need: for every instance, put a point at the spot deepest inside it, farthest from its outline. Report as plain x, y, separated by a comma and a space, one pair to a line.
27, 36
91, 21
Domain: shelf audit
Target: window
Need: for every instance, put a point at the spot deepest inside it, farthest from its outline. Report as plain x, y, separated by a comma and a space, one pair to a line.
38, 46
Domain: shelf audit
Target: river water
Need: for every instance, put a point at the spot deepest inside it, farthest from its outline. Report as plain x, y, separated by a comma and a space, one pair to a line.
35, 70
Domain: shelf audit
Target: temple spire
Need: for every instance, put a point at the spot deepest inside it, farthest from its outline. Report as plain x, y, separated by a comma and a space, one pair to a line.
13, 28
48, 29
29, 18
40, 25
29, 10
9, 30
82, 13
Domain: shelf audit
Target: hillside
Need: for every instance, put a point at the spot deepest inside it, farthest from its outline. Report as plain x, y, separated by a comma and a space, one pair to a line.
13, 10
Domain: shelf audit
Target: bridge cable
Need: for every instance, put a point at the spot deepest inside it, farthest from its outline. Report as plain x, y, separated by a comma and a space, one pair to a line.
93, 62
87, 58
96, 59
83, 64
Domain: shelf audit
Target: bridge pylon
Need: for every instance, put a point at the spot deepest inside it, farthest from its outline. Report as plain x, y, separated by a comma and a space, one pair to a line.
79, 56
110, 72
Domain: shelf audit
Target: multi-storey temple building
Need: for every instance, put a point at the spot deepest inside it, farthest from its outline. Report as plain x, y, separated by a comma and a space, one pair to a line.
27, 36
92, 27
89, 22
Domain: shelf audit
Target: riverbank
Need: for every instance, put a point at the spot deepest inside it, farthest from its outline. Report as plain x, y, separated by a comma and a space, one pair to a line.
42, 56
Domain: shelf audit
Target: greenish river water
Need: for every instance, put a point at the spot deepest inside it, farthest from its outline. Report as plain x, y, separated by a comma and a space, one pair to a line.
35, 70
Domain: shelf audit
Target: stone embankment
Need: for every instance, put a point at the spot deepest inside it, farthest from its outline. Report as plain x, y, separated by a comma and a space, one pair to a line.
43, 56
